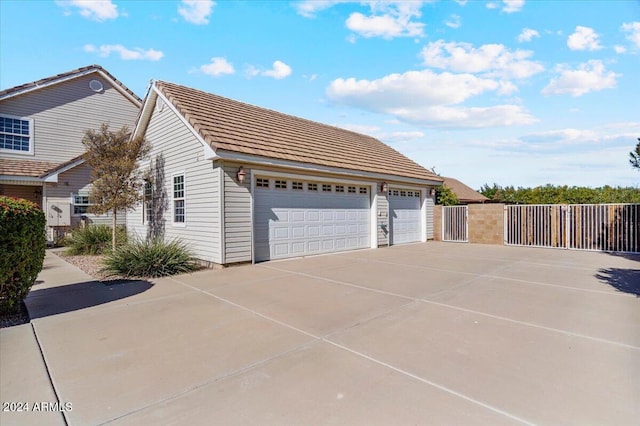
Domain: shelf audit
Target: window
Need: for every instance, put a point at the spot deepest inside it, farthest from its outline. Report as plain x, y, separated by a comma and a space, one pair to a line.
178, 199
363, 190
312, 186
281, 184
147, 204
15, 134
326, 187
403, 193
80, 204
339, 188
395, 192
416, 194
262, 183
296, 186
352, 189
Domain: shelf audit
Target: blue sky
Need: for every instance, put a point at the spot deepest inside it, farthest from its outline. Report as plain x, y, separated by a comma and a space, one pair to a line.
516, 92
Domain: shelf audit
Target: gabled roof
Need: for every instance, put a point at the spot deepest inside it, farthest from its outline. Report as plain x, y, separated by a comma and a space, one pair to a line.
59, 78
237, 127
464, 193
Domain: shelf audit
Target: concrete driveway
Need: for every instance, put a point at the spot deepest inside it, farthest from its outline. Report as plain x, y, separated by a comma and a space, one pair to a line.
429, 333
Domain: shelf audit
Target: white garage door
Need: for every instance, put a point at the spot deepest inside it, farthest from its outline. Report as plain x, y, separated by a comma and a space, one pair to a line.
404, 216
297, 218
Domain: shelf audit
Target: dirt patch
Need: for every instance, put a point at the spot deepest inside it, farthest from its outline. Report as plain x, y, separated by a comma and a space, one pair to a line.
90, 265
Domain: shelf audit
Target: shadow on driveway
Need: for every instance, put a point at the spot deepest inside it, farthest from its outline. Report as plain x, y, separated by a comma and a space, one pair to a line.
625, 280
58, 300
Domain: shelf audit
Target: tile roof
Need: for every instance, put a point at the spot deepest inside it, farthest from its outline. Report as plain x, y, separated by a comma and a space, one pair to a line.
26, 168
234, 126
464, 193
48, 80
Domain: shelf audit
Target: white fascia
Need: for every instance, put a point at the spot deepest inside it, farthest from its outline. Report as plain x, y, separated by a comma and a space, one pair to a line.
53, 176
251, 159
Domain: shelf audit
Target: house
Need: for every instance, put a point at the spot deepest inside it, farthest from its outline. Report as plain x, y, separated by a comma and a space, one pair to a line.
42, 125
239, 183
465, 194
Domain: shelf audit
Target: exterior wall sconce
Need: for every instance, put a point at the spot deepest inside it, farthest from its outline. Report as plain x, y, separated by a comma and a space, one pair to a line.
432, 192
384, 187
240, 175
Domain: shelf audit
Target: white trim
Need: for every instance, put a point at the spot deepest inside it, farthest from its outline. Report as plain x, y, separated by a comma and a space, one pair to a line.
73, 203
313, 178
31, 151
253, 223
423, 215
52, 177
314, 168
78, 74
221, 210
173, 200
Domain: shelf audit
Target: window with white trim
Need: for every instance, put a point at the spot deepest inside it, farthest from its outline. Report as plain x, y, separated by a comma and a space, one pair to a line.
178, 199
296, 186
81, 204
403, 193
351, 189
147, 204
339, 188
312, 186
363, 190
16, 134
262, 183
326, 187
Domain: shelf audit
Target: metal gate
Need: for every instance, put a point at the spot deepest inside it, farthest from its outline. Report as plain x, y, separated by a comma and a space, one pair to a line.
604, 227
455, 226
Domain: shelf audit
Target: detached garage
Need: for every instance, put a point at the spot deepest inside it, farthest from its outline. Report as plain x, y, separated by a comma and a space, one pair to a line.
239, 183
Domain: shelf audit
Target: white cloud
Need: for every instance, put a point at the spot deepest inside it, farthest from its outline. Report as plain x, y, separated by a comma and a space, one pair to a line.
590, 76
125, 53
633, 30
584, 38
96, 10
388, 20
492, 59
425, 97
401, 136
309, 8
527, 34
454, 21
461, 2
511, 6
196, 11
619, 49
280, 70
217, 67
492, 5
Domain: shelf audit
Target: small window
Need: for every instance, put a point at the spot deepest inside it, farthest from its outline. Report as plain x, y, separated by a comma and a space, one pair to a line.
403, 193
312, 186
16, 134
326, 187
296, 185
416, 194
351, 189
80, 204
178, 199
262, 183
147, 205
339, 188
364, 190
281, 184
394, 192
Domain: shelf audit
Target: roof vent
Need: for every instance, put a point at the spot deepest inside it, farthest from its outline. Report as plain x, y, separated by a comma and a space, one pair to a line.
159, 105
96, 86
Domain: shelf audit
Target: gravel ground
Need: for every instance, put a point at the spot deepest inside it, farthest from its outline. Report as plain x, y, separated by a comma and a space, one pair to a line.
91, 265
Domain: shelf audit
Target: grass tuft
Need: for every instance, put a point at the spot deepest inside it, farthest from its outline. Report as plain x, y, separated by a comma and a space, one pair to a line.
93, 239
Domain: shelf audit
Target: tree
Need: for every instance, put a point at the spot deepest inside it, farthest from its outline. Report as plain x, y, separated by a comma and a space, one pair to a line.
635, 157
113, 158
445, 196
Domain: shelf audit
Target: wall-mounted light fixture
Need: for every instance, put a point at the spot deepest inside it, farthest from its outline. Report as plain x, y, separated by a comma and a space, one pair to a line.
384, 187
240, 175
432, 192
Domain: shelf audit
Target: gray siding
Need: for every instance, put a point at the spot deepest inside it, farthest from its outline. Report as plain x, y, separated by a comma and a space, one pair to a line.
63, 112
237, 215
383, 219
176, 150
76, 181
430, 204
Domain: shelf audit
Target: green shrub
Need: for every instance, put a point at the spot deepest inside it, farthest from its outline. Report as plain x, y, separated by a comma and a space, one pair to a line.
22, 247
93, 239
150, 258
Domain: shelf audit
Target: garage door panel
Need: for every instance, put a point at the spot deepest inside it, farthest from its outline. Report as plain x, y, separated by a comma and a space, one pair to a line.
293, 223
404, 217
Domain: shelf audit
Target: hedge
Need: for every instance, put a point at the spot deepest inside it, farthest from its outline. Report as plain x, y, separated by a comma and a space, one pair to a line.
22, 248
